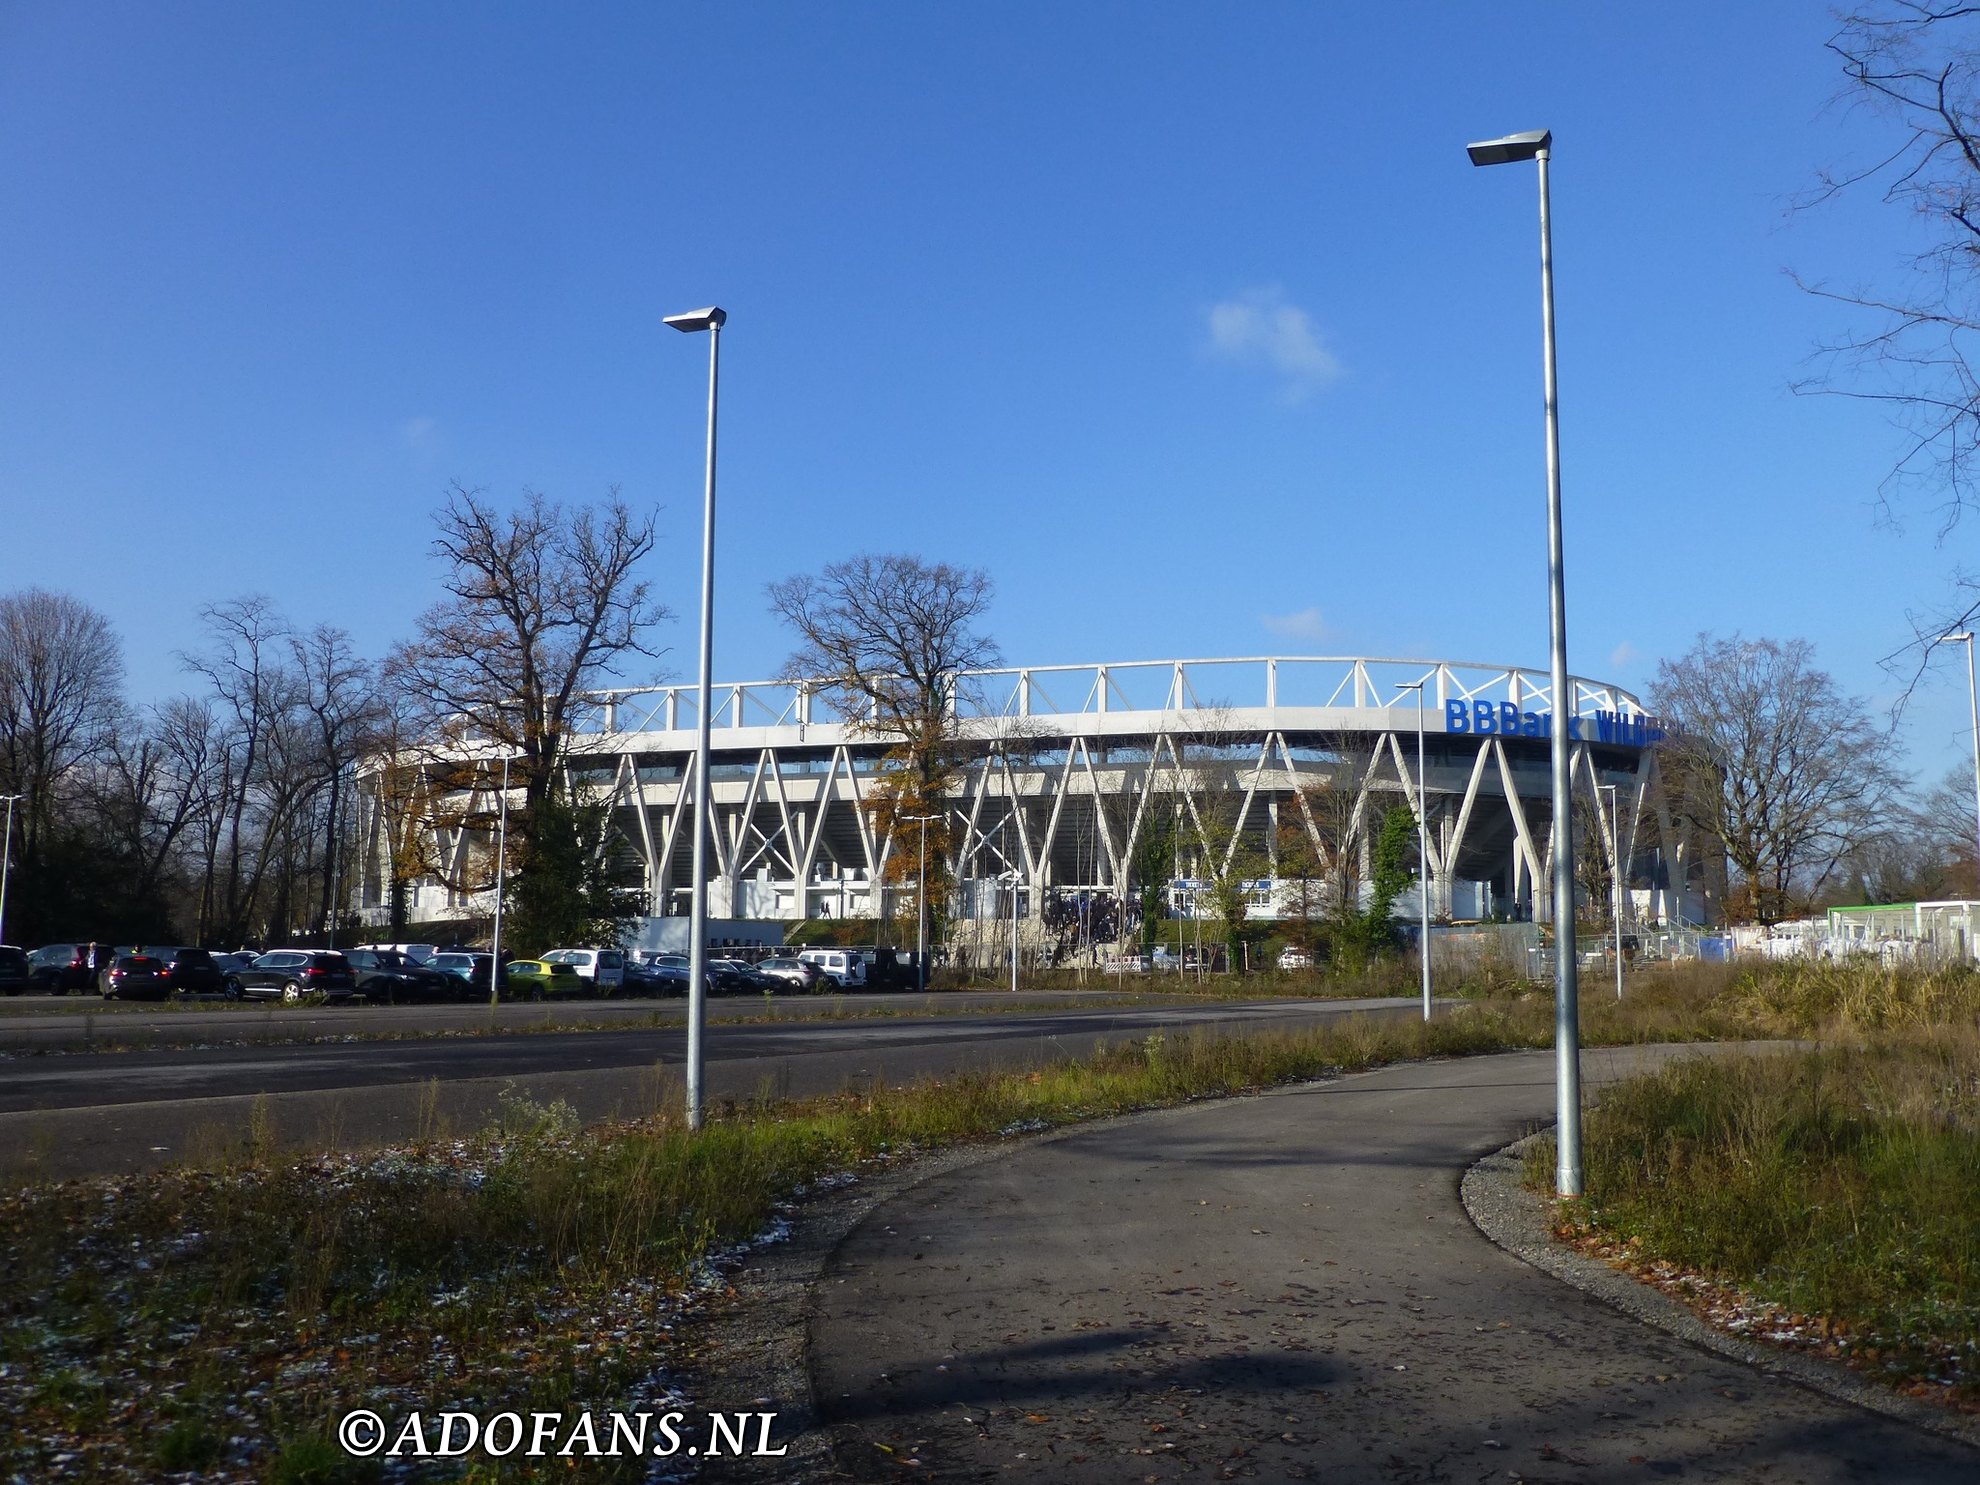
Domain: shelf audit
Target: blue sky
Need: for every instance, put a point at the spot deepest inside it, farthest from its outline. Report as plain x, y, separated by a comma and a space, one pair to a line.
1191, 323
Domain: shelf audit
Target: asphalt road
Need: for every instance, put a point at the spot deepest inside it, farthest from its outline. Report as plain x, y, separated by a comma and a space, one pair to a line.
1285, 1288
102, 1113
39, 1023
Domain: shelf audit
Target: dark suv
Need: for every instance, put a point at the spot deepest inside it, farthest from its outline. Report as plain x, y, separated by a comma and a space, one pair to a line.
14, 976
134, 977
190, 972
387, 975
60, 968
297, 975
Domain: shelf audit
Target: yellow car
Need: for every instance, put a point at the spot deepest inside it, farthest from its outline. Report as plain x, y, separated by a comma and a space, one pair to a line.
534, 979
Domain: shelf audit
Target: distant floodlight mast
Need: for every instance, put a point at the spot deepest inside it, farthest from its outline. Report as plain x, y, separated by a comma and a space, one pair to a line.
712, 320
1965, 637
1537, 145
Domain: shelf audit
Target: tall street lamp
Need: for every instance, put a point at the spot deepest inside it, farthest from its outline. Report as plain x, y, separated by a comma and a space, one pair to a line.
501, 874
1016, 879
1422, 847
921, 902
1616, 873
6, 858
1538, 145
1965, 637
711, 320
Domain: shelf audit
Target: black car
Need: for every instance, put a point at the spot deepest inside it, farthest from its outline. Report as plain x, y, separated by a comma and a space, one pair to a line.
743, 978
646, 979
134, 977
296, 975
59, 968
14, 973
190, 972
387, 975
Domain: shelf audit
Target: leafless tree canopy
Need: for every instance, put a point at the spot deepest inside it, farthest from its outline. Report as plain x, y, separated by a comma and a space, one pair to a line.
1915, 66
887, 634
61, 684
543, 603
1773, 762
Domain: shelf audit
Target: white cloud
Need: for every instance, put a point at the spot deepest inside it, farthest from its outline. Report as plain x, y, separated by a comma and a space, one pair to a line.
418, 433
1262, 328
1306, 624
1622, 656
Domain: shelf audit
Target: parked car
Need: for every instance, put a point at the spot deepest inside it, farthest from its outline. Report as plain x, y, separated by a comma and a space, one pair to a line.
642, 978
240, 959
190, 971
384, 975
742, 976
15, 976
603, 970
473, 971
134, 977
846, 967
296, 975
59, 968
800, 974
1293, 957
541, 978
417, 953
668, 973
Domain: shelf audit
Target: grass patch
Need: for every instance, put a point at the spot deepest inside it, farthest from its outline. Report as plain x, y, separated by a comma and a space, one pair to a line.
221, 1319
214, 1322
1828, 1199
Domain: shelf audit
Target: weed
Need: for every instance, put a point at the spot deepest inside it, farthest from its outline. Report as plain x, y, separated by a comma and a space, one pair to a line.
1837, 1187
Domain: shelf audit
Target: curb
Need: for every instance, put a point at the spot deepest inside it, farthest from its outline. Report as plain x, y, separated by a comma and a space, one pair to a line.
1515, 1219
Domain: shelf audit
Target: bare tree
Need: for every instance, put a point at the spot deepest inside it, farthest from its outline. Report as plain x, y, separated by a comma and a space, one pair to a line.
887, 637
340, 696
61, 680
543, 604
1774, 763
1915, 65
250, 688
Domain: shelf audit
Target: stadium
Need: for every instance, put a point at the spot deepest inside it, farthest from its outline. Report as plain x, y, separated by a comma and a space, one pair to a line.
1070, 768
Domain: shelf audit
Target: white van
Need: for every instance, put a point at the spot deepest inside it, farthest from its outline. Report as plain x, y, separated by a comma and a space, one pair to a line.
603, 969
844, 966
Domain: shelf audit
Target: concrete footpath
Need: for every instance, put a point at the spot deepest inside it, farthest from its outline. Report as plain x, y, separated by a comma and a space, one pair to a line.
1281, 1288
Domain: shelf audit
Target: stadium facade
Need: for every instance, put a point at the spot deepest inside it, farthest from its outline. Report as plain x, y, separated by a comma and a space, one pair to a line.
1068, 766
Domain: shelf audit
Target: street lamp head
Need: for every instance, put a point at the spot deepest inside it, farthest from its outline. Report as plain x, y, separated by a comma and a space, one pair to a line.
1964, 637
1511, 148
710, 318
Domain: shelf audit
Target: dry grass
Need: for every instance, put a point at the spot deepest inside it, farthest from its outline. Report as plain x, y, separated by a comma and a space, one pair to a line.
1828, 1198
208, 1324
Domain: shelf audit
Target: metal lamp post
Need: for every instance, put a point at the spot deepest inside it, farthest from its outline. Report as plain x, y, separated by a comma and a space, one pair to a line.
921, 902
1422, 847
1965, 637
1616, 873
1537, 145
711, 320
1016, 878
6, 858
501, 875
